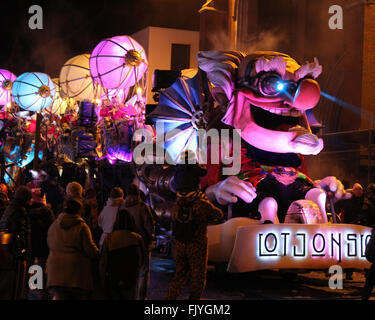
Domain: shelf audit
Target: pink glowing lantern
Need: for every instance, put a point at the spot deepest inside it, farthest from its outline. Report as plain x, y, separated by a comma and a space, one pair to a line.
118, 62
6, 81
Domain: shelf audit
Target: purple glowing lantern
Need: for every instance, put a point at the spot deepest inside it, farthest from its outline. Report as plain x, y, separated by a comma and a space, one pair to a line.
118, 62
6, 81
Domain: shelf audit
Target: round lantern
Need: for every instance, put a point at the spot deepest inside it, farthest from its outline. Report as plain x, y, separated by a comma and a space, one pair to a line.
75, 79
118, 62
33, 91
6, 81
60, 103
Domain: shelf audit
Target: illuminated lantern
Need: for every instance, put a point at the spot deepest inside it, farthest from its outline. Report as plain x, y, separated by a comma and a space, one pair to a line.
6, 81
75, 79
118, 62
33, 91
60, 104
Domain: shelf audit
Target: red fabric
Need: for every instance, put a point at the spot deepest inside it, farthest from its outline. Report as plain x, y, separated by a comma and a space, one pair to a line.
250, 170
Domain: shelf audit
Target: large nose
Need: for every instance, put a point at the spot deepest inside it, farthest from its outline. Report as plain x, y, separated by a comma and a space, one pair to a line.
307, 95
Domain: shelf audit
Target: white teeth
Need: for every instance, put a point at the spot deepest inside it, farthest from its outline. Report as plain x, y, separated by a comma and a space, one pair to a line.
284, 112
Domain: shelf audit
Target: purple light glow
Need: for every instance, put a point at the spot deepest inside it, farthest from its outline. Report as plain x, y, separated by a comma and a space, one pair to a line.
109, 66
116, 153
6, 80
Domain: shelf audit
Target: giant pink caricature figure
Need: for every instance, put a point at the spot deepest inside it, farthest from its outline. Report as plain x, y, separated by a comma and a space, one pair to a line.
266, 95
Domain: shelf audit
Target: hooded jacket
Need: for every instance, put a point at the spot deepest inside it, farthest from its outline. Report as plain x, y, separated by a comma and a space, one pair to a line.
71, 250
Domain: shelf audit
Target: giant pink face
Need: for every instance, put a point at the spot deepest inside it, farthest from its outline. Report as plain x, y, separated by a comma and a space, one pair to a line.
269, 105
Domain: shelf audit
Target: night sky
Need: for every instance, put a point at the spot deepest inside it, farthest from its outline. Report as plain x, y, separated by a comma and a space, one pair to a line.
75, 27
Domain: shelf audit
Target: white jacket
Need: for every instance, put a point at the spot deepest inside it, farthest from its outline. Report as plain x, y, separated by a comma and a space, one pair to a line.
108, 216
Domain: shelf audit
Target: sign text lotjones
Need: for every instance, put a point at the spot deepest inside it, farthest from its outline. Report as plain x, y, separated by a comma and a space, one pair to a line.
295, 246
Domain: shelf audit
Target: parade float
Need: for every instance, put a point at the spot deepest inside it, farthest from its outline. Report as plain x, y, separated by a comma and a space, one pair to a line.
83, 121
276, 216
245, 116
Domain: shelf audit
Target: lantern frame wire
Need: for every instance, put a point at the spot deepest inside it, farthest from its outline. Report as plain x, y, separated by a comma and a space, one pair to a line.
130, 69
44, 99
76, 93
7, 91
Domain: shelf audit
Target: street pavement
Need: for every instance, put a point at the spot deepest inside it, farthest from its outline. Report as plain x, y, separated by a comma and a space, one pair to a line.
259, 285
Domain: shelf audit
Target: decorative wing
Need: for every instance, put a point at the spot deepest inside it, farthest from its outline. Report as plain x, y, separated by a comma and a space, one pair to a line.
178, 117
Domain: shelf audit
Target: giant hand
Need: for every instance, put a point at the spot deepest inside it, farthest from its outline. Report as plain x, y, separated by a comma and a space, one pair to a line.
228, 191
333, 185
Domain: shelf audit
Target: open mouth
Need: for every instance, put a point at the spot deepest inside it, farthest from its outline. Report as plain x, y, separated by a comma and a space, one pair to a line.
282, 118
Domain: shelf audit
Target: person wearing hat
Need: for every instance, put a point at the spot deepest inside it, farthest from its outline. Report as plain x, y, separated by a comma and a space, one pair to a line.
191, 214
15, 222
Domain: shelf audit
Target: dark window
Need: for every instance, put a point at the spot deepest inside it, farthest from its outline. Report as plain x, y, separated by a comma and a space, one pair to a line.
180, 56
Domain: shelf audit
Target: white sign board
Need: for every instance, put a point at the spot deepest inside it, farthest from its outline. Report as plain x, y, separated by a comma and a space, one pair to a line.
299, 246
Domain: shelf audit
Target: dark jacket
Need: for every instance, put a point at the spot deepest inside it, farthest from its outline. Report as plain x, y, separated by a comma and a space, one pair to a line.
4, 203
41, 218
54, 196
15, 220
351, 209
142, 215
370, 248
121, 258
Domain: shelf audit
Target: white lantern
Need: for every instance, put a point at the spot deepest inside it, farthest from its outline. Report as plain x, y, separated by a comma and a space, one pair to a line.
75, 79
60, 104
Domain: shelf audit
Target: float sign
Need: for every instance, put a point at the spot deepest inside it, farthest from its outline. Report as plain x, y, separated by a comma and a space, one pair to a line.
297, 246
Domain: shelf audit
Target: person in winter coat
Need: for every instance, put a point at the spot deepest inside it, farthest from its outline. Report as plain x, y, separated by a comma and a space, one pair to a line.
144, 225
352, 213
41, 218
71, 251
54, 195
190, 216
370, 276
90, 215
108, 215
4, 199
122, 257
351, 209
15, 244
74, 190
369, 206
